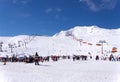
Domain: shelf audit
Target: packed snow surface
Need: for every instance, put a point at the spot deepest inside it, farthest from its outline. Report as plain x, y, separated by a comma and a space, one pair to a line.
61, 71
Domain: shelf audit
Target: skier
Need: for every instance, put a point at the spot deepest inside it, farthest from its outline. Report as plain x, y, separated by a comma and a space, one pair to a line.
36, 59
97, 57
4, 61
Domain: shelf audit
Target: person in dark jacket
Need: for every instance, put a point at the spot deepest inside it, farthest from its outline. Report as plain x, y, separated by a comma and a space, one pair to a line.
4, 61
97, 57
36, 59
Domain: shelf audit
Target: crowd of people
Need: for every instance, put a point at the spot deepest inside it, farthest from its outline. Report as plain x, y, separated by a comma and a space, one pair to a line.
36, 58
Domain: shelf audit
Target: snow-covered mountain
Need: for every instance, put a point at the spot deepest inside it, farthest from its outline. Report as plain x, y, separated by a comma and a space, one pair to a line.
78, 40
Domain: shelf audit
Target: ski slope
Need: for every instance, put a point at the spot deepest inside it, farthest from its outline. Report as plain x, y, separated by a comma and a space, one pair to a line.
73, 41
61, 71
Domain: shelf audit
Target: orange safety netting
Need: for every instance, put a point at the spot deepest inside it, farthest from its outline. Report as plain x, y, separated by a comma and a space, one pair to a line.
114, 49
98, 44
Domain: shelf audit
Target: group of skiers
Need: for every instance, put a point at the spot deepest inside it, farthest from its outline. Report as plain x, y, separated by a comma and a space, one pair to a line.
109, 58
24, 59
36, 58
79, 57
114, 58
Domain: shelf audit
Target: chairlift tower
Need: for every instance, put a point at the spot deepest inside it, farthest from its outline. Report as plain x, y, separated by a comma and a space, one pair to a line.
80, 40
1, 43
11, 47
102, 42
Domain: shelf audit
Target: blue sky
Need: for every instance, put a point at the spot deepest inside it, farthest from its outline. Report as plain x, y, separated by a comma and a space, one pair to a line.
47, 17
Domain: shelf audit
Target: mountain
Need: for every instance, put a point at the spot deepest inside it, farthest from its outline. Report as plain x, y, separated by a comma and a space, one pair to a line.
77, 40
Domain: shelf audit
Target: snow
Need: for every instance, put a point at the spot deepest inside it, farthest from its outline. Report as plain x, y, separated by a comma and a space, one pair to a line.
65, 42
70, 42
61, 71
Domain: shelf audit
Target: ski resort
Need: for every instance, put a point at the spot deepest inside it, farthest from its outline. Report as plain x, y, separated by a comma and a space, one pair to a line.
86, 40
59, 40
89, 51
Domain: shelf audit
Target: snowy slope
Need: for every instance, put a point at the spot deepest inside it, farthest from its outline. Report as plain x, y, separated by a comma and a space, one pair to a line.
76, 40
61, 71
93, 34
